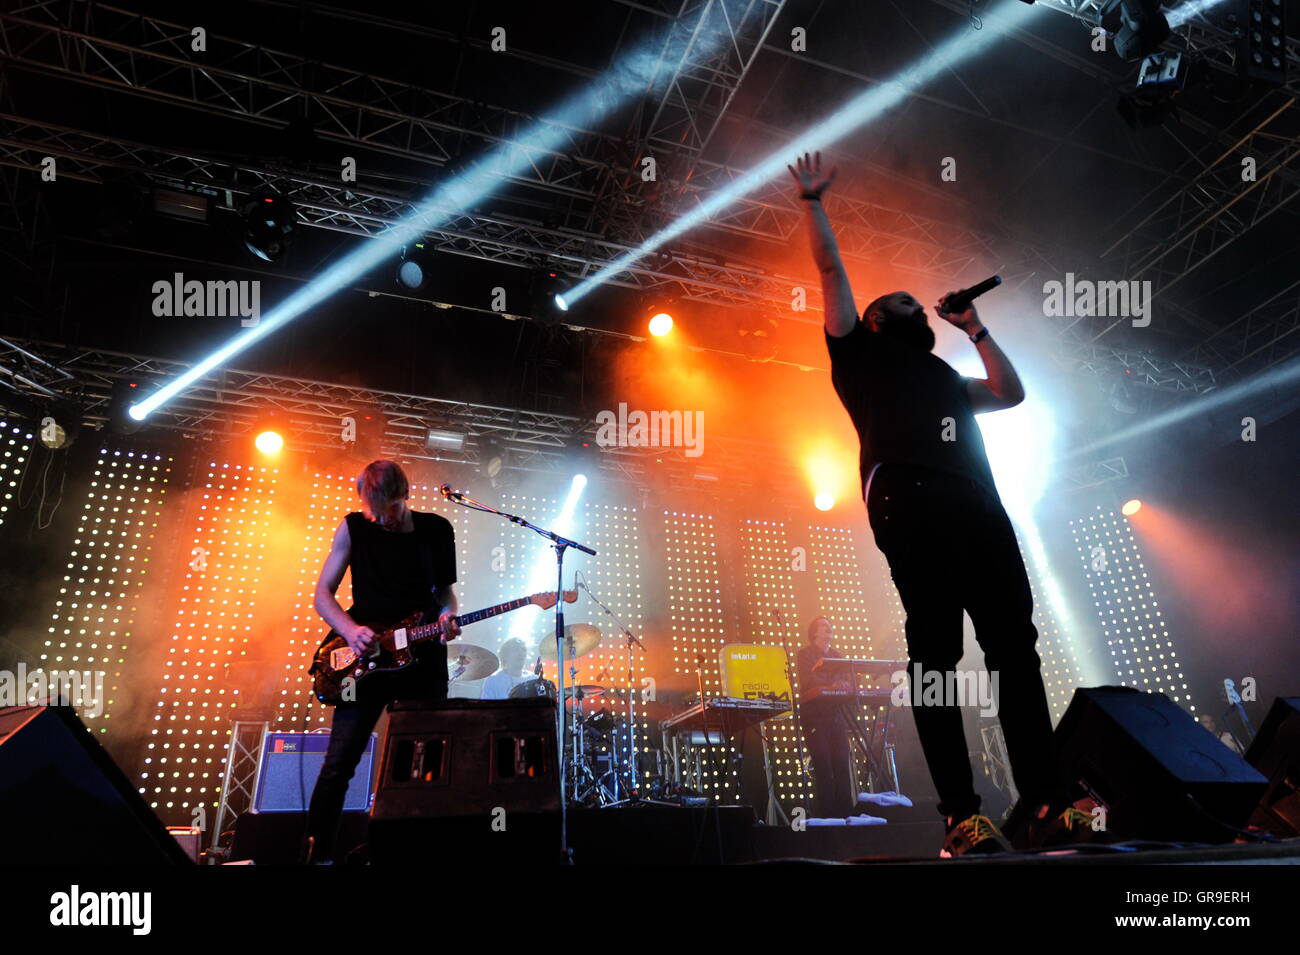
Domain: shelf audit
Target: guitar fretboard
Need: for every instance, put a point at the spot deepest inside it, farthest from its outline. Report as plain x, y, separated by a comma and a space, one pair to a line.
433, 629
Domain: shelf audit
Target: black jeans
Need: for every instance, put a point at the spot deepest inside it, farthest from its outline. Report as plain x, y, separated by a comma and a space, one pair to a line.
350, 732
950, 547
828, 746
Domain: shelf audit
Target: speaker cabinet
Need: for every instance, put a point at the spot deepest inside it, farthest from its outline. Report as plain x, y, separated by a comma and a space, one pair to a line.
1275, 752
466, 757
1161, 774
64, 801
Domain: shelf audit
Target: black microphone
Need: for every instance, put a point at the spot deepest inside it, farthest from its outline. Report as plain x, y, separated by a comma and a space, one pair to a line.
449, 494
960, 301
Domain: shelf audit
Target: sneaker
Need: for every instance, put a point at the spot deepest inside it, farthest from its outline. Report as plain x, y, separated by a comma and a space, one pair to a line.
974, 835
1071, 826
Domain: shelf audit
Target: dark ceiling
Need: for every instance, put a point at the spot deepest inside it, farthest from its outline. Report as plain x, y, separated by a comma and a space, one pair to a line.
1046, 163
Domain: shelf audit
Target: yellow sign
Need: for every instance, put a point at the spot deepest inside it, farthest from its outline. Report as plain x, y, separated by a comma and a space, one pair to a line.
754, 672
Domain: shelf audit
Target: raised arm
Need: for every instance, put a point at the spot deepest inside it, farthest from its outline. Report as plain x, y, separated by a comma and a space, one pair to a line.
837, 296
1002, 388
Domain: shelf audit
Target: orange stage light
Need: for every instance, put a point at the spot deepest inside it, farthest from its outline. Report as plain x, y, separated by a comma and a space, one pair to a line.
661, 324
1131, 507
269, 442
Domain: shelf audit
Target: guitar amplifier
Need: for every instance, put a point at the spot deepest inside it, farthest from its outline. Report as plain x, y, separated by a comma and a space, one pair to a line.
291, 762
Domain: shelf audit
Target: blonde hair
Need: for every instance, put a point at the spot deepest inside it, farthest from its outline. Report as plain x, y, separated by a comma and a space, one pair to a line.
381, 485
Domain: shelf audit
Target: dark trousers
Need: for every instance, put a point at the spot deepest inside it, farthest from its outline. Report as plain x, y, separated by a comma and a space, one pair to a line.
349, 732
828, 746
950, 547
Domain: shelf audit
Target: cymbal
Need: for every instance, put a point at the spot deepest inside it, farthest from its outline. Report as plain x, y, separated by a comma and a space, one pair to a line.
580, 639
584, 691
469, 661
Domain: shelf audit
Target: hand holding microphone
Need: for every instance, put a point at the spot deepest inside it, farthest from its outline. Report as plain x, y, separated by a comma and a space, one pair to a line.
957, 308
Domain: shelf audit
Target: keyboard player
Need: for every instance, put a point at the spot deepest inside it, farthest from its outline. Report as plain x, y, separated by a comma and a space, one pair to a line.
824, 723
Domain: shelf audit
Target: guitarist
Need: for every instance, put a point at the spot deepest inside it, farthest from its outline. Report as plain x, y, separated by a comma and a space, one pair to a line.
402, 561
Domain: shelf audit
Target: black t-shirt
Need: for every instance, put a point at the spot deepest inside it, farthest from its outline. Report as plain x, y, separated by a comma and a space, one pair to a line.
810, 680
394, 573
899, 397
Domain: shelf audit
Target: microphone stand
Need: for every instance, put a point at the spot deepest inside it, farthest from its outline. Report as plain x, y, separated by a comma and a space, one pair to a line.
628, 639
559, 545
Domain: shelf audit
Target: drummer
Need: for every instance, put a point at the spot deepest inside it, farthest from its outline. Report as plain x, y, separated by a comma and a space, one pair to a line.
513, 655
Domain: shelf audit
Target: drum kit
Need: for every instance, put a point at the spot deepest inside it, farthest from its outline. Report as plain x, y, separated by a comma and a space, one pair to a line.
600, 738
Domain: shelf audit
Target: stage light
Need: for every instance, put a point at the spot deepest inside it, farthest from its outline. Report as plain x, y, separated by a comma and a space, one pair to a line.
1137, 26
1131, 507
545, 298
123, 407
438, 440
859, 111
637, 73
268, 224
492, 459
269, 442
824, 502
661, 324
413, 268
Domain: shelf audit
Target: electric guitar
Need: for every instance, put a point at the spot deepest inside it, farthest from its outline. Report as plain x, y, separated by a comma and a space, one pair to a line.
335, 664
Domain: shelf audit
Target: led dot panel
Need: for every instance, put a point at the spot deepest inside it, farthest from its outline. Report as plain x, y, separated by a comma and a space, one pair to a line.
768, 560
110, 560
216, 619
1133, 626
15, 448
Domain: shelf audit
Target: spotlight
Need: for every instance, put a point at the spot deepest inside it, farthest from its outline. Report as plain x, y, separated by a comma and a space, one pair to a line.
544, 295
269, 442
1138, 26
436, 439
1131, 507
492, 459
124, 415
60, 425
824, 501
661, 324
413, 267
268, 224
1262, 54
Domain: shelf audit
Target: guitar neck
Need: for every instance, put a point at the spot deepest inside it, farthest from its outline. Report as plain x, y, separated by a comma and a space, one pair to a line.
434, 629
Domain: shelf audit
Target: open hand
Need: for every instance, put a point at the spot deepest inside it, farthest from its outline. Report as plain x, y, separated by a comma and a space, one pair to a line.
808, 175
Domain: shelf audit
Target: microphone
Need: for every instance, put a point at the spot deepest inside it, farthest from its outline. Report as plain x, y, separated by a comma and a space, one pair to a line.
960, 301
449, 494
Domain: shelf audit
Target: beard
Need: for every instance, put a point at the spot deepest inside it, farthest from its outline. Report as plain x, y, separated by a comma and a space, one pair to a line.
910, 332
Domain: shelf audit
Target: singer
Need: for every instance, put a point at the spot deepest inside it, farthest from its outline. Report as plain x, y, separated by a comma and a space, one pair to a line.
936, 515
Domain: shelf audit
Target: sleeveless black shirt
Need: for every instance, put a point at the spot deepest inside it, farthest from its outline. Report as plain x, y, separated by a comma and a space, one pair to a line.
394, 573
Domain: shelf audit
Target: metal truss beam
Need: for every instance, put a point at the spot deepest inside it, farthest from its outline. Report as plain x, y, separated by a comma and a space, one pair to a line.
1136, 367
227, 404
96, 44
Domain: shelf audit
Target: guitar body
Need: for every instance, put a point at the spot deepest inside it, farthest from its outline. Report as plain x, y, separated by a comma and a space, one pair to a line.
335, 663
338, 673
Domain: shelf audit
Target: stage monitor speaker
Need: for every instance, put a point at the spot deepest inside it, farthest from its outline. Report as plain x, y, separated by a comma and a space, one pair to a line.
466, 757
1275, 752
64, 801
1161, 774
